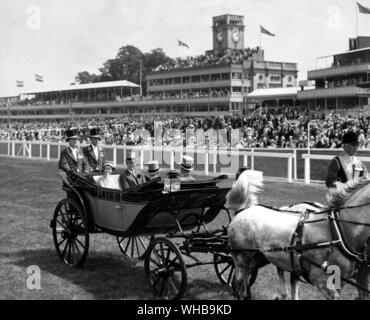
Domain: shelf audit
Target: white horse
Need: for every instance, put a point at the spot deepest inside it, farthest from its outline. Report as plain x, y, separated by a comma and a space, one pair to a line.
260, 227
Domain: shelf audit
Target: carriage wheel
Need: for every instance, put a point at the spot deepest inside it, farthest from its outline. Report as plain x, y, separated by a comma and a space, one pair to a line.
224, 267
70, 234
165, 269
134, 247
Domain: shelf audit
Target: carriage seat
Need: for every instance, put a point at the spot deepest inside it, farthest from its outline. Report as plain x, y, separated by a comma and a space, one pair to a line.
115, 176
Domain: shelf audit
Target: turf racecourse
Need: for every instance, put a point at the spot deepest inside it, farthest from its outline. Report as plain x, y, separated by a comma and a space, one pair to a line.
29, 192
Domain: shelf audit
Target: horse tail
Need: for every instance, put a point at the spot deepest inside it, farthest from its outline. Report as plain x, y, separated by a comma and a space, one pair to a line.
243, 193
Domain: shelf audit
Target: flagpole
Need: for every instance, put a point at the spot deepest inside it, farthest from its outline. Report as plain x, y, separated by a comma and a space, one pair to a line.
356, 9
260, 38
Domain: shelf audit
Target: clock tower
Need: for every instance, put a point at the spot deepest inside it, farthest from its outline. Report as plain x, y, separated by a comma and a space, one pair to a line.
228, 33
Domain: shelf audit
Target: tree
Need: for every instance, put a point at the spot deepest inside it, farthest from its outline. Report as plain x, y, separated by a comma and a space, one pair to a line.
86, 77
126, 66
156, 58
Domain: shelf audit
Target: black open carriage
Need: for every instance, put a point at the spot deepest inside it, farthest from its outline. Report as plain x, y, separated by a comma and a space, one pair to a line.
148, 224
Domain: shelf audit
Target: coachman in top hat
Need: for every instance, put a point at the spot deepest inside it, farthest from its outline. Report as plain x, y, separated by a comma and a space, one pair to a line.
71, 158
94, 154
347, 166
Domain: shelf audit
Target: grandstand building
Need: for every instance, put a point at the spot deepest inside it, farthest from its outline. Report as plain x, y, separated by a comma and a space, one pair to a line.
340, 79
200, 86
211, 84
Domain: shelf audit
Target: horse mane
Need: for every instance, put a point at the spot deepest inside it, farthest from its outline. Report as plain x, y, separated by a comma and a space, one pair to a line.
243, 192
336, 197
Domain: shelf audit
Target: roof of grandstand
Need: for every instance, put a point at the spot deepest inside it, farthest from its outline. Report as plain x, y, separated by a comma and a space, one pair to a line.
96, 85
273, 92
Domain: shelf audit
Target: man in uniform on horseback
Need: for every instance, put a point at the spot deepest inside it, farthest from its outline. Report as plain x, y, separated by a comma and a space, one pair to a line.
347, 166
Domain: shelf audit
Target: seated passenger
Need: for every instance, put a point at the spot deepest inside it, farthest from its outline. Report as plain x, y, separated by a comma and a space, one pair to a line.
107, 180
186, 167
153, 170
130, 177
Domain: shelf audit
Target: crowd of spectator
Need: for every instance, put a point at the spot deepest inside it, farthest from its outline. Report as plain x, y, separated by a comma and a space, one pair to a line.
286, 127
209, 59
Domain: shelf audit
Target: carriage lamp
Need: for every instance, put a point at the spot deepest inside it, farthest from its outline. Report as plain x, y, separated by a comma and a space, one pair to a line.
172, 182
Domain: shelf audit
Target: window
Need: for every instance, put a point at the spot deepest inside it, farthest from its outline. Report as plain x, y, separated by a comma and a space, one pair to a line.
275, 78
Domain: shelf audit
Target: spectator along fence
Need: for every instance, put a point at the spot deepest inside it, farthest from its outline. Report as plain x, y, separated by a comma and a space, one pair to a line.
286, 164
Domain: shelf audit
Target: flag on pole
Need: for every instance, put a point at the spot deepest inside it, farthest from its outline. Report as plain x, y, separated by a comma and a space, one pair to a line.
39, 78
265, 31
363, 9
182, 44
19, 83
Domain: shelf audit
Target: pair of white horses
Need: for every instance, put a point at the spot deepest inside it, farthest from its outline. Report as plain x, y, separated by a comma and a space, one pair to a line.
257, 226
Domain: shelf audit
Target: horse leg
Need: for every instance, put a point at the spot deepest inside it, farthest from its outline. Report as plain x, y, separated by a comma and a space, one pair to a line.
283, 286
320, 281
242, 271
362, 279
294, 286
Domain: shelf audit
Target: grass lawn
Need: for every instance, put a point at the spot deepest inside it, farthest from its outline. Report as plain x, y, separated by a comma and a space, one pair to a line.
29, 192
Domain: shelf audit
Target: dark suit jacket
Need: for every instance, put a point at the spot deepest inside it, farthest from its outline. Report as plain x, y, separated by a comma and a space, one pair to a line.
336, 173
67, 161
95, 164
128, 180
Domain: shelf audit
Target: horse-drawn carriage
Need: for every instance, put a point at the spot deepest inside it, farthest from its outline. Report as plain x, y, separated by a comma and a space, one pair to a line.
162, 228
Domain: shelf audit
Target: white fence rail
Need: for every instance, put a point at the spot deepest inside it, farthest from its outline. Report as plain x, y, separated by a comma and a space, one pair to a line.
207, 160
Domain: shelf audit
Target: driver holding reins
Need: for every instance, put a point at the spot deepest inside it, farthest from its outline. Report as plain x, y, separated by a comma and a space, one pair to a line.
347, 166
342, 169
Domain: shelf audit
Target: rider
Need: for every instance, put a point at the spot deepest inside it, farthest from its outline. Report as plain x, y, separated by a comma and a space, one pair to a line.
342, 169
153, 170
71, 159
347, 166
130, 177
186, 167
93, 153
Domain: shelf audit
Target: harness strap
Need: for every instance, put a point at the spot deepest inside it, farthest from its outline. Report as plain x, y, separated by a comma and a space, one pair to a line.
343, 247
324, 267
296, 241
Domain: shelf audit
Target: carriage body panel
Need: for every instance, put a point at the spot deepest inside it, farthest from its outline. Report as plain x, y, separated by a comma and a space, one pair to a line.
149, 211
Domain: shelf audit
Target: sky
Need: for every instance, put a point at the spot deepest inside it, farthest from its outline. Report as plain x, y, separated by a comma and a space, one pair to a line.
59, 38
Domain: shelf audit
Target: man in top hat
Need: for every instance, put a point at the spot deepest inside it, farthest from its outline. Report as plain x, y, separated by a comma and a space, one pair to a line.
153, 170
347, 166
186, 167
94, 154
71, 158
342, 169
130, 177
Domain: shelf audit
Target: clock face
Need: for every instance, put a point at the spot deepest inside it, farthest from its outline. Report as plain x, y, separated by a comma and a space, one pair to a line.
220, 36
236, 35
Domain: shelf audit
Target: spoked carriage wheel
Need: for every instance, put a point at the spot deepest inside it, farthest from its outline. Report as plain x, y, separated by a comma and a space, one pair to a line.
70, 234
224, 267
134, 247
165, 269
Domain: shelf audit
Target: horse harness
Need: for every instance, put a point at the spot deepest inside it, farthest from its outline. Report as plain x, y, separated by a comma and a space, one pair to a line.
296, 246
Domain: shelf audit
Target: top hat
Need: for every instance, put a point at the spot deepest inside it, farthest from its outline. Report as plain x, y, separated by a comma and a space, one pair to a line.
130, 155
187, 163
71, 134
350, 138
94, 133
110, 164
153, 166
